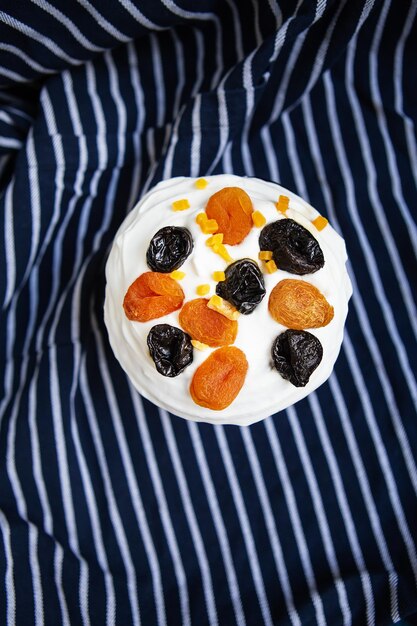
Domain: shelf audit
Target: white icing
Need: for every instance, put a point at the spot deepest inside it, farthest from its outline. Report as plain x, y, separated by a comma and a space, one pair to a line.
264, 391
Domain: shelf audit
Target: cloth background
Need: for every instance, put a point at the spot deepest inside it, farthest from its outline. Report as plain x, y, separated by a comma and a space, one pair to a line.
111, 511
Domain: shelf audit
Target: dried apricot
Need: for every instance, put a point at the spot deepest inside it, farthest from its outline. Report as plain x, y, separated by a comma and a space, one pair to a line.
206, 325
297, 304
218, 380
152, 295
232, 209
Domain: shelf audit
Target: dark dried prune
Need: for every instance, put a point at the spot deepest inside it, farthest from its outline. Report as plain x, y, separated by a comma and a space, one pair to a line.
171, 349
296, 354
243, 286
169, 248
293, 247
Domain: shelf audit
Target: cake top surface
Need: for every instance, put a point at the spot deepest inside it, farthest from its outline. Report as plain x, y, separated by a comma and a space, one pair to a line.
207, 265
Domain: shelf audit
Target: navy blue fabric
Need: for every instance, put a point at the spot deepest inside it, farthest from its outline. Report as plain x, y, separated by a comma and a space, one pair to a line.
111, 510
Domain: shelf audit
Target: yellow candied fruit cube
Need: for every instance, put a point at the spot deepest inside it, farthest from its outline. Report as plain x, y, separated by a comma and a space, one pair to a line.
320, 222
265, 255
258, 219
201, 183
210, 226
214, 239
202, 290
271, 267
284, 200
223, 307
181, 205
199, 345
219, 276
221, 250
177, 275
201, 218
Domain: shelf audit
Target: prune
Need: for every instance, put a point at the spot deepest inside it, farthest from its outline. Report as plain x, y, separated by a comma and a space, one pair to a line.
232, 209
243, 286
169, 248
170, 349
218, 380
206, 325
296, 354
152, 295
298, 305
293, 247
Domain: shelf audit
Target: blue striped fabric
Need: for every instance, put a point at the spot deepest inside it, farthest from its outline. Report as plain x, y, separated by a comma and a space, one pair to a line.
113, 512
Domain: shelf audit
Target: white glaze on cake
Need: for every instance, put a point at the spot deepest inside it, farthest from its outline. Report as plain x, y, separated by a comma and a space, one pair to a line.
265, 391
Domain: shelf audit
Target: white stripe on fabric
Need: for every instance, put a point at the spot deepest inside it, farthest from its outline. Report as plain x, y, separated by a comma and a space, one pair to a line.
374, 273
137, 134
9, 142
191, 519
383, 126
14, 76
293, 156
223, 125
102, 22
39, 37
398, 93
69, 25
343, 503
244, 525
138, 15
116, 520
9, 246
163, 509
295, 520
158, 79
374, 194
180, 82
357, 301
198, 15
270, 526
270, 154
9, 575
313, 141
196, 140
381, 453
199, 61
320, 514
218, 523
26, 58
58, 562
237, 29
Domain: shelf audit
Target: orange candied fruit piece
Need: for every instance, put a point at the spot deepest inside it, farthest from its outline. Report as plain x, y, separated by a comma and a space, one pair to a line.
219, 276
283, 203
265, 255
201, 183
232, 209
271, 266
177, 275
320, 222
221, 250
219, 379
152, 295
209, 226
258, 219
181, 205
206, 325
202, 290
223, 306
215, 239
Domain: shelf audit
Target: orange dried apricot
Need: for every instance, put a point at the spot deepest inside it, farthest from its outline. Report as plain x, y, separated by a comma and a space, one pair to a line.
232, 209
297, 304
218, 380
206, 325
152, 295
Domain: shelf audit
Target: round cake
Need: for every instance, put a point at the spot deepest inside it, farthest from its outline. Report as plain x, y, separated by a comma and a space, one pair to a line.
226, 298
